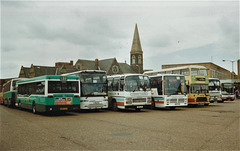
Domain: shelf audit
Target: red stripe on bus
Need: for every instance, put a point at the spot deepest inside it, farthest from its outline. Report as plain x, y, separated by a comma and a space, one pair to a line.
191, 100
159, 102
120, 103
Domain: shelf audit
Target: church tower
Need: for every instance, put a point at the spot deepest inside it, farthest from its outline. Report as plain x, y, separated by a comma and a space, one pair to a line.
136, 54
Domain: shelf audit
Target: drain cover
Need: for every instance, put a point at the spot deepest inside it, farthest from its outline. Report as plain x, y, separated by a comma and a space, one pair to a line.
121, 134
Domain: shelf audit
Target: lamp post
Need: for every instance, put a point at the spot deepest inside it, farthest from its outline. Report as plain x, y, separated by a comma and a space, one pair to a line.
232, 67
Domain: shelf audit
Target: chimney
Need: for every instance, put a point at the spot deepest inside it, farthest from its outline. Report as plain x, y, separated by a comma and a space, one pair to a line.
71, 62
96, 64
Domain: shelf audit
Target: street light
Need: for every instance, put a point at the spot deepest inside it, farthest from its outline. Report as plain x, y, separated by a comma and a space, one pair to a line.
232, 67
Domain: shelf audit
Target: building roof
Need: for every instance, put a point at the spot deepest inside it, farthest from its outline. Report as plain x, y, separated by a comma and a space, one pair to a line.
44, 70
88, 64
126, 68
26, 71
106, 64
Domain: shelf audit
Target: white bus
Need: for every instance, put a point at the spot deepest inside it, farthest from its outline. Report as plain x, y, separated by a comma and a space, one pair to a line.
168, 91
93, 84
196, 81
227, 90
129, 91
215, 90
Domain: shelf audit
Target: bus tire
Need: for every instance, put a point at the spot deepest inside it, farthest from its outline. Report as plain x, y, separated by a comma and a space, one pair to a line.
137, 109
153, 104
114, 106
9, 103
19, 105
34, 109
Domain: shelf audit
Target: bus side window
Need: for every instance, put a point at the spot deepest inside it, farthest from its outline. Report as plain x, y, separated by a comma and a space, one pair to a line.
121, 84
110, 84
116, 84
159, 87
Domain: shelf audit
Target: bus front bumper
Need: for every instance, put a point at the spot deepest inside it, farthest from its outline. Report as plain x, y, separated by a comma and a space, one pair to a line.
54, 108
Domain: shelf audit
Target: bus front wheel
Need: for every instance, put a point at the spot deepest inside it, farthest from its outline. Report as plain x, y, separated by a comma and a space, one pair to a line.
19, 105
34, 109
9, 103
114, 106
138, 109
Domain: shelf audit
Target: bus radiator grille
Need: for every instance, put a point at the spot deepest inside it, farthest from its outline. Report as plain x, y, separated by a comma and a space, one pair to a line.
139, 100
173, 100
180, 100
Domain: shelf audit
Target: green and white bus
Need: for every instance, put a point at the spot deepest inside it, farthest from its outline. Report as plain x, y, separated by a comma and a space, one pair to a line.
49, 93
10, 93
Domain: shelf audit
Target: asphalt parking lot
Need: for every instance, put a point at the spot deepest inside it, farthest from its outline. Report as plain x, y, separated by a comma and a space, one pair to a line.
213, 127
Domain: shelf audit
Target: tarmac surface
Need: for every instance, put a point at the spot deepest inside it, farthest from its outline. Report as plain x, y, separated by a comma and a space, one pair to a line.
213, 127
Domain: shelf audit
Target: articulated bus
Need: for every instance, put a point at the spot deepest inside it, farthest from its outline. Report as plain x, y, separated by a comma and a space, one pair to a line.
227, 90
10, 93
49, 93
168, 91
215, 90
129, 91
93, 84
196, 82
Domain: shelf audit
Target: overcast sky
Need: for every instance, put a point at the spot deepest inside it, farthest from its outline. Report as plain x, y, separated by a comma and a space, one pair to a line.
45, 32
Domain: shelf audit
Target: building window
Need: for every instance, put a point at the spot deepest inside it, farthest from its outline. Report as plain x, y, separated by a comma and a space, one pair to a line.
139, 59
133, 59
115, 69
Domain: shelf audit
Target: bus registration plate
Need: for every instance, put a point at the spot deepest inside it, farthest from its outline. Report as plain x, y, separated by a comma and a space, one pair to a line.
63, 108
139, 107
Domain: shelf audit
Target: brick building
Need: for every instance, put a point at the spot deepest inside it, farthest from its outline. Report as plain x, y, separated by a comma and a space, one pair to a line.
214, 71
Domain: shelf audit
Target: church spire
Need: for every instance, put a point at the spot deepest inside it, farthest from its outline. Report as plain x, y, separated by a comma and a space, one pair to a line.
136, 44
136, 54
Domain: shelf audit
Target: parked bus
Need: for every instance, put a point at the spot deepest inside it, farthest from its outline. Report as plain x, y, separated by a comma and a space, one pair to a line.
215, 90
227, 91
129, 91
1, 98
168, 91
49, 93
93, 89
196, 82
10, 93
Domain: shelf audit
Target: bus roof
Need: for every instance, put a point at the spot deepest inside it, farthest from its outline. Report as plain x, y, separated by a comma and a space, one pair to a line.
53, 77
177, 68
85, 71
125, 75
157, 75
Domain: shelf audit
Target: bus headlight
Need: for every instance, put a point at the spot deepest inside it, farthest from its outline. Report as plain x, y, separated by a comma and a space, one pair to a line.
128, 100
